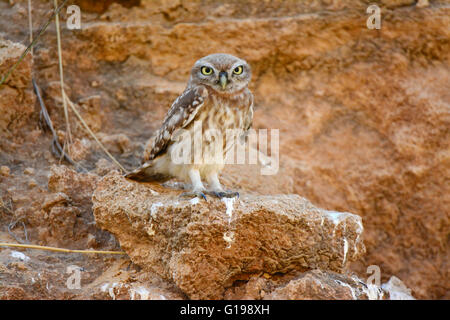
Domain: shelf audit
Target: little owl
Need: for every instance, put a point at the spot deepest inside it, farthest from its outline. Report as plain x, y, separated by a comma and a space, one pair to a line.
217, 100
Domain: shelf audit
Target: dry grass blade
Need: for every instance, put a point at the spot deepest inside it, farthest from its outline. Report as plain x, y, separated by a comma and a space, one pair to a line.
72, 106
31, 45
57, 149
68, 136
32, 246
30, 24
12, 225
66, 100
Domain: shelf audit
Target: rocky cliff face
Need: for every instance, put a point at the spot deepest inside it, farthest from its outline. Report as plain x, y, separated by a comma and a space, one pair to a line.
363, 118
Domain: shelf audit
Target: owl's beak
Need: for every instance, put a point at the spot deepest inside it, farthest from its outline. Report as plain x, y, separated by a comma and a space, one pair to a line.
223, 79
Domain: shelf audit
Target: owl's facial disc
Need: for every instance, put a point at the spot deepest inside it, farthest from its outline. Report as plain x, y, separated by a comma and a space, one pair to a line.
221, 72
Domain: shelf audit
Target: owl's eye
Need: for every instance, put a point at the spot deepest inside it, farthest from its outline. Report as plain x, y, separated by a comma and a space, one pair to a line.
206, 70
238, 70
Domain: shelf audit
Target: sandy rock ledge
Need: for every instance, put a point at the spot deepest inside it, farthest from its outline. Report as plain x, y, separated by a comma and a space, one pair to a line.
204, 247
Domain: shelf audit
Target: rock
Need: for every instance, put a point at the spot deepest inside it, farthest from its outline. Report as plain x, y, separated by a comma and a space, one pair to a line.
133, 291
53, 199
316, 285
225, 240
61, 220
14, 293
91, 241
41, 275
253, 289
320, 285
78, 186
53, 89
104, 166
118, 143
29, 171
79, 149
92, 111
422, 4
32, 183
123, 282
16, 94
5, 171
397, 289
62, 215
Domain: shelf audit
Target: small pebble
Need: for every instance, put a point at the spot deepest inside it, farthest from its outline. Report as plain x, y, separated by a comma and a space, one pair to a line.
32, 183
5, 171
29, 171
91, 241
422, 4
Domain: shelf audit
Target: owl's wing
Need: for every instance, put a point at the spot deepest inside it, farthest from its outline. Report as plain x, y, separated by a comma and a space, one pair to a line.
180, 114
248, 120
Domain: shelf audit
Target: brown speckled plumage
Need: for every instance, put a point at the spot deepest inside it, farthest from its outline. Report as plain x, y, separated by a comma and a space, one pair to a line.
208, 101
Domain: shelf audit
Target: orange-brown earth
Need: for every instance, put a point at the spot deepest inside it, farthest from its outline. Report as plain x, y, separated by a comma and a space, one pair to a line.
364, 120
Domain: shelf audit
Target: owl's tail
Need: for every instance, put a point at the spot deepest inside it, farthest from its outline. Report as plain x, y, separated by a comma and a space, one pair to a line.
147, 173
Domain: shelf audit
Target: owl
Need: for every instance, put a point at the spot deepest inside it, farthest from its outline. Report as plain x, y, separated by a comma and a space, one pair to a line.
216, 102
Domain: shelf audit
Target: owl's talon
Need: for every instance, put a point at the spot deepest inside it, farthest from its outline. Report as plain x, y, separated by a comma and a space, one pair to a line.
223, 194
193, 194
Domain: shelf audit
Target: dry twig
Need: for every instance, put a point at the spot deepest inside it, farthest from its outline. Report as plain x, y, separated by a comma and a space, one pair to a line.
68, 136
32, 246
31, 45
57, 149
12, 225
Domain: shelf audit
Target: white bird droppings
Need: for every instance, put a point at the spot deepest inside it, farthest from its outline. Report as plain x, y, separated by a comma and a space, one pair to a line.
194, 201
345, 251
20, 256
229, 238
373, 292
229, 235
348, 286
155, 207
229, 203
142, 291
104, 287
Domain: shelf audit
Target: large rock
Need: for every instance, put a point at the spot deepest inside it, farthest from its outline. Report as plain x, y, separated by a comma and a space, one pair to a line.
320, 285
204, 247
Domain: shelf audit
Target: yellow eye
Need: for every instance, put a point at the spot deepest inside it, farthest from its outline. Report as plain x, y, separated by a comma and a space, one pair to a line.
206, 70
238, 70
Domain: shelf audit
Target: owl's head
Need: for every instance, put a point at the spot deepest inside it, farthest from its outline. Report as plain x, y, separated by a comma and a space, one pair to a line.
222, 72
